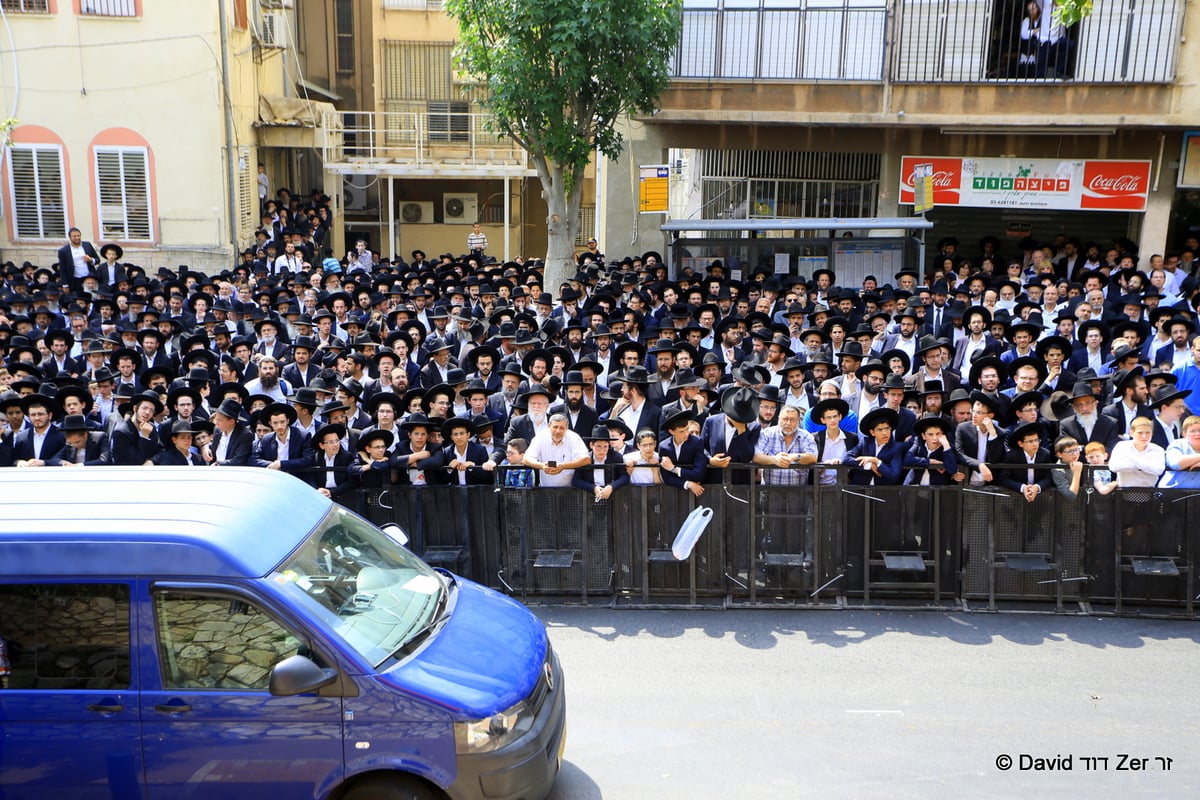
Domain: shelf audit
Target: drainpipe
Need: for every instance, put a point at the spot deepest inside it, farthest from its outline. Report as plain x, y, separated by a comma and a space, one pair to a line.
230, 149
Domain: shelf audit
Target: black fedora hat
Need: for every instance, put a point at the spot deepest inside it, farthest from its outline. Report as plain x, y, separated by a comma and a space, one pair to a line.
835, 403
925, 423
453, 423
376, 435
877, 416
979, 364
229, 408
279, 408
992, 403
1081, 389
419, 420
325, 430
83, 394
1166, 393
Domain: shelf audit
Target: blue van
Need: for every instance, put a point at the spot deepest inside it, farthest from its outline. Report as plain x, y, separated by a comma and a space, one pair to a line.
180, 633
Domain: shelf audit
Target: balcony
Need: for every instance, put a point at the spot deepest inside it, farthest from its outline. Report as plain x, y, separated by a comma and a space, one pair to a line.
442, 142
925, 41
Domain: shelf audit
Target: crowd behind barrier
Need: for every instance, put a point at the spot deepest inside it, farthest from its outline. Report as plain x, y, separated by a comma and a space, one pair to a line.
948, 546
893, 439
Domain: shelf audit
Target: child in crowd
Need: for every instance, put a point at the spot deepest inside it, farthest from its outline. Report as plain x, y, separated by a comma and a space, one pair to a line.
1102, 479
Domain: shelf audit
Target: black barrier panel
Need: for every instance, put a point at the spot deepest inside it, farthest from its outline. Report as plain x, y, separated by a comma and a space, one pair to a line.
1152, 559
556, 542
902, 541
646, 520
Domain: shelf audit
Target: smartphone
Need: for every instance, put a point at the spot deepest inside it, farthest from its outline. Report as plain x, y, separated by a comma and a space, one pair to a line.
551, 463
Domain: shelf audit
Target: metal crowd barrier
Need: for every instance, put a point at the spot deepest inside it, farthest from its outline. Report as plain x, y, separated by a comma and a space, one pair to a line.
1130, 552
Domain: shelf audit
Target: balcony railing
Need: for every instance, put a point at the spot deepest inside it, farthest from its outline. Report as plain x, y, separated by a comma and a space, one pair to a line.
784, 43
420, 139
932, 41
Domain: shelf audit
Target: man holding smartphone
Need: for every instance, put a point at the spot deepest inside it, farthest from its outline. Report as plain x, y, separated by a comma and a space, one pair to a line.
557, 452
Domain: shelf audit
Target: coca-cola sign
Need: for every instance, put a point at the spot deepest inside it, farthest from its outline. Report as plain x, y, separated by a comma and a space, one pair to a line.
1115, 185
1068, 184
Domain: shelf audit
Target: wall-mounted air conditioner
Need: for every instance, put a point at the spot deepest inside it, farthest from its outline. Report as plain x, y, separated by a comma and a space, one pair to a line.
460, 209
416, 212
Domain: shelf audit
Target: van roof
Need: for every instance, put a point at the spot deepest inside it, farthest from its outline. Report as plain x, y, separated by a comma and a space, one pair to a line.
136, 521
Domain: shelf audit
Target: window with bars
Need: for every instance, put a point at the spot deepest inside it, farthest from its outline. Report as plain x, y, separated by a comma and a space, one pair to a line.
417, 72
25, 6
108, 8
344, 32
37, 186
123, 192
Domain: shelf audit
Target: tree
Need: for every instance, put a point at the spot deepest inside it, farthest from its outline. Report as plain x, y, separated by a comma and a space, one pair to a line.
559, 75
1068, 12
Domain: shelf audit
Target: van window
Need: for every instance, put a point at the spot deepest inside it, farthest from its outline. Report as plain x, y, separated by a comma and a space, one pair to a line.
215, 642
66, 635
375, 594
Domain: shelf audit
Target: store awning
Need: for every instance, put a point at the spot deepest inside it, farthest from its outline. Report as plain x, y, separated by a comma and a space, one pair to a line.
799, 224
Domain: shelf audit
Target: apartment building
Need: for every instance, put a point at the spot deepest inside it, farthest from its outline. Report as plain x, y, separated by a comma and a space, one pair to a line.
809, 109
137, 122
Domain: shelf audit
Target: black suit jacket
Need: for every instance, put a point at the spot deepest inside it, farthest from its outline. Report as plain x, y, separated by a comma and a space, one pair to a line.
344, 479
129, 448
66, 264
1104, 431
1116, 413
23, 444
691, 460
966, 446
241, 447
296, 458
96, 452
614, 473
1014, 479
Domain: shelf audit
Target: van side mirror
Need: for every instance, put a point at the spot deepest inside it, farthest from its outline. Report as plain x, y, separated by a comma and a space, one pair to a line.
299, 675
396, 533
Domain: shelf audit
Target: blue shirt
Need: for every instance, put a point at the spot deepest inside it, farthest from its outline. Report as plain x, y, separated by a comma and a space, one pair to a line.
771, 443
1189, 378
1175, 477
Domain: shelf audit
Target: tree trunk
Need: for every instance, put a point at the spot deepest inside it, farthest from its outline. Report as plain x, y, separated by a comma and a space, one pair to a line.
562, 223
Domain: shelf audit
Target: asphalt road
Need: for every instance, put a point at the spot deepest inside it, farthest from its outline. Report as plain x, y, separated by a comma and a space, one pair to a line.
863, 704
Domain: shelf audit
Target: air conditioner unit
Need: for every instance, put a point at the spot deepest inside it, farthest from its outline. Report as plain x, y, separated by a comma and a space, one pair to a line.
416, 211
273, 30
460, 209
354, 193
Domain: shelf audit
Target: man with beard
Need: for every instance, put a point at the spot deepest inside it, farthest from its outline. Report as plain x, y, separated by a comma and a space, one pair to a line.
978, 342
581, 418
691, 398
534, 422
233, 443
302, 369
502, 402
871, 375
268, 381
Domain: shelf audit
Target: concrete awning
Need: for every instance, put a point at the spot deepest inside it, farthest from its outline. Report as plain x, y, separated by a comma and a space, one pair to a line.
798, 224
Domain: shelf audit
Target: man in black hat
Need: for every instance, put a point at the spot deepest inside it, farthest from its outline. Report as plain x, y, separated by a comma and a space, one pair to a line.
1169, 408
980, 441
1130, 396
85, 447
135, 441
606, 473
284, 448
233, 443
179, 451
581, 418
1028, 452
688, 387
634, 408
35, 445
302, 369
1087, 424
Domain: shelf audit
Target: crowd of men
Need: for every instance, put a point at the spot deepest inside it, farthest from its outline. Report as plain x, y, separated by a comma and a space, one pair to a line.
461, 370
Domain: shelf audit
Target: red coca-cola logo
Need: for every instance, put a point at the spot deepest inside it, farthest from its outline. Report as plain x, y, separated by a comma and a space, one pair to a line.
944, 179
1115, 184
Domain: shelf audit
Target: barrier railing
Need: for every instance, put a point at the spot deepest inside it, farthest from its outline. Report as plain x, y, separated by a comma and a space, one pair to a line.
809, 544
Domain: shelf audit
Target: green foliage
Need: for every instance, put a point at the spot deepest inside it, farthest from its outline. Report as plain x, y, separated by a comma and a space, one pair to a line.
1068, 12
560, 73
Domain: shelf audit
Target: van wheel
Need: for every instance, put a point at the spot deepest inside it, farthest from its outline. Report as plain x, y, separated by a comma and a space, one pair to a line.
390, 787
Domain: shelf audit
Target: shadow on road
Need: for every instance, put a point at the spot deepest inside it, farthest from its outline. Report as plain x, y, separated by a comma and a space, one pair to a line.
574, 784
763, 629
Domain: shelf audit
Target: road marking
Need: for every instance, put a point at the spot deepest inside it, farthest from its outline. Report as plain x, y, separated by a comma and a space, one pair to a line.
873, 711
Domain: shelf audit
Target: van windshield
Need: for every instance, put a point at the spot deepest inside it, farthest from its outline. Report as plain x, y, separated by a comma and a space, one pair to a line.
370, 590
